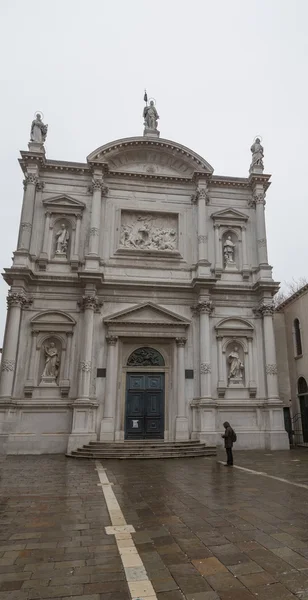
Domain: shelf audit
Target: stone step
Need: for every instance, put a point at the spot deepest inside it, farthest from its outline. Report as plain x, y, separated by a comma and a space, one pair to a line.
138, 456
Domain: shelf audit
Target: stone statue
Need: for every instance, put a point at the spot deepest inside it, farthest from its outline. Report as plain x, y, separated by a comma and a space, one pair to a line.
62, 237
257, 154
52, 361
38, 130
150, 116
236, 365
229, 250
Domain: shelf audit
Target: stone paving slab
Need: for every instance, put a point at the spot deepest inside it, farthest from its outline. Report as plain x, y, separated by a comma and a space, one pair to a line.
201, 531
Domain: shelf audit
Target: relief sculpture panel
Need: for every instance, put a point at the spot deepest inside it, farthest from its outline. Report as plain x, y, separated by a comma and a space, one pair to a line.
149, 231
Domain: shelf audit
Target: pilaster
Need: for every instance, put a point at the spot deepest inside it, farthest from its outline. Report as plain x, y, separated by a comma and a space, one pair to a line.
181, 424
108, 422
98, 190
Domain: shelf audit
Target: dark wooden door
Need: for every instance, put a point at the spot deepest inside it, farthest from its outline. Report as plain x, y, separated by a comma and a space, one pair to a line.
144, 417
304, 414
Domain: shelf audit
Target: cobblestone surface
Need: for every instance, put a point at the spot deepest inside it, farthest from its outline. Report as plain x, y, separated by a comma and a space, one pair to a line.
203, 531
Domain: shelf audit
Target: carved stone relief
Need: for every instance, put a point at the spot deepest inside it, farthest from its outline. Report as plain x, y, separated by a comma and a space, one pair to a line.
148, 231
145, 357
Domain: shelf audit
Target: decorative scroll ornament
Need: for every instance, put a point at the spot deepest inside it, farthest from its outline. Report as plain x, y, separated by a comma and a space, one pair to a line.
85, 365
202, 239
205, 368
271, 369
94, 231
90, 302
7, 365
26, 226
262, 242
204, 306
145, 357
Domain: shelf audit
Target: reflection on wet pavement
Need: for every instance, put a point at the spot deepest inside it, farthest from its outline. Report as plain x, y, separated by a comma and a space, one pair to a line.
203, 531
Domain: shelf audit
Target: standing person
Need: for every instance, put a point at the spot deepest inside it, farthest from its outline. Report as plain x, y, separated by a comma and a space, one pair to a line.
229, 437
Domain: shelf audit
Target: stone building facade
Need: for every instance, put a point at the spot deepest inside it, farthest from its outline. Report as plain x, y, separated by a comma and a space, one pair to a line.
291, 334
140, 302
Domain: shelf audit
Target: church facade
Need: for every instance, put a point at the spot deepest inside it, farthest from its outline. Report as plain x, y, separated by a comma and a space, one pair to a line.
140, 301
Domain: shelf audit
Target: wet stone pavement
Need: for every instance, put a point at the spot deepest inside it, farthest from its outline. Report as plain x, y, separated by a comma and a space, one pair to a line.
202, 531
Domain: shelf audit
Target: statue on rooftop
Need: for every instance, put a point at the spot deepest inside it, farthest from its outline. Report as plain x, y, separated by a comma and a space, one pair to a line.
38, 130
150, 114
257, 155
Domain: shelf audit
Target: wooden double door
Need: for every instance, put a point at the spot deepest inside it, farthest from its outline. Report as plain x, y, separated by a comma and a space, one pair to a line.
145, 401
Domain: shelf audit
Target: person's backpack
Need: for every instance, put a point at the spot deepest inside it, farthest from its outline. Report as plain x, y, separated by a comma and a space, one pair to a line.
234, 437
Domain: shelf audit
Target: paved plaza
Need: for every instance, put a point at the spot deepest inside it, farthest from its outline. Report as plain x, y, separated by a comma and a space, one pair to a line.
176, 529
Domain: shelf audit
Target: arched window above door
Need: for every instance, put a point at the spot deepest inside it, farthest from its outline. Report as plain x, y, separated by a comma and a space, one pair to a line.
302, 386
145, 357
298, 338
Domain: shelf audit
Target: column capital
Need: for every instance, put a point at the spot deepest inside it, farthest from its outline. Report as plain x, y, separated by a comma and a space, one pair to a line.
90, 302
203, 306
31, 179
98, 184
180, 341
111, 340
200, 194
15, 299
266, 309
257, 198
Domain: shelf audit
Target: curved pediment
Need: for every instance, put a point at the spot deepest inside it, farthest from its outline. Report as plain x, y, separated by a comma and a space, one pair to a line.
149, 157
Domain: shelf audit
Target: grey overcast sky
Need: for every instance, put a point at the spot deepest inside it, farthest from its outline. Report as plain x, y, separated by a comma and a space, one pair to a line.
221, 72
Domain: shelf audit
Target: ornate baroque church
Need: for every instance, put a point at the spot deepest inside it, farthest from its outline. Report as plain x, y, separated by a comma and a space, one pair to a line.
140, 301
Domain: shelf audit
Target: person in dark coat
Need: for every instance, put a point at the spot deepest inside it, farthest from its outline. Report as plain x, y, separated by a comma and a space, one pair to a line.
228, 437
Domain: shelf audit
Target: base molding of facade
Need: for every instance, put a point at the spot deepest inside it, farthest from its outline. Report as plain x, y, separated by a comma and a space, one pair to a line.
107, 432
181, 429
77, 440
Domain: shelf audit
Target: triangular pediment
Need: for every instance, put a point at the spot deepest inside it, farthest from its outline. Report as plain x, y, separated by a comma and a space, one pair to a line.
229, 214
154, 158
147, 313
63, 201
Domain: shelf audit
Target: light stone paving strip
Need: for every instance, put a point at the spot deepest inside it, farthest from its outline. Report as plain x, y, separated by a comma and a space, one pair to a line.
139, 584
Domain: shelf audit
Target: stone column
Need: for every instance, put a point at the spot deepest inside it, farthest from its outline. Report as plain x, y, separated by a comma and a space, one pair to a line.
221, 374
15, 303
88, 304
46, 234
66, 374
204, 308
267, 311
201, 199
98, 187
259, 199
32, 361
181, 427
77, 235
218, 259
108, 421
25, 229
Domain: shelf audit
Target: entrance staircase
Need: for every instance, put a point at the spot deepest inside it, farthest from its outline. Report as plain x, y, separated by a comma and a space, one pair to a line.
143, 449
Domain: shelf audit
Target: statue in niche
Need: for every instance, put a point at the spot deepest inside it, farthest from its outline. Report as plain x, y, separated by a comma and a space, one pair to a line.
52, 361
62, 237
236, 366
150, 116
38, 130
257, 154
229, 249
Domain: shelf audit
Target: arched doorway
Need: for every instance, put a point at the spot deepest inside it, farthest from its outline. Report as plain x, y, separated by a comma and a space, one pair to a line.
302, 390
145, 395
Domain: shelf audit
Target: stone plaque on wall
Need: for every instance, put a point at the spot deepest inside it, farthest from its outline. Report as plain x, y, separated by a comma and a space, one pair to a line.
149, 231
